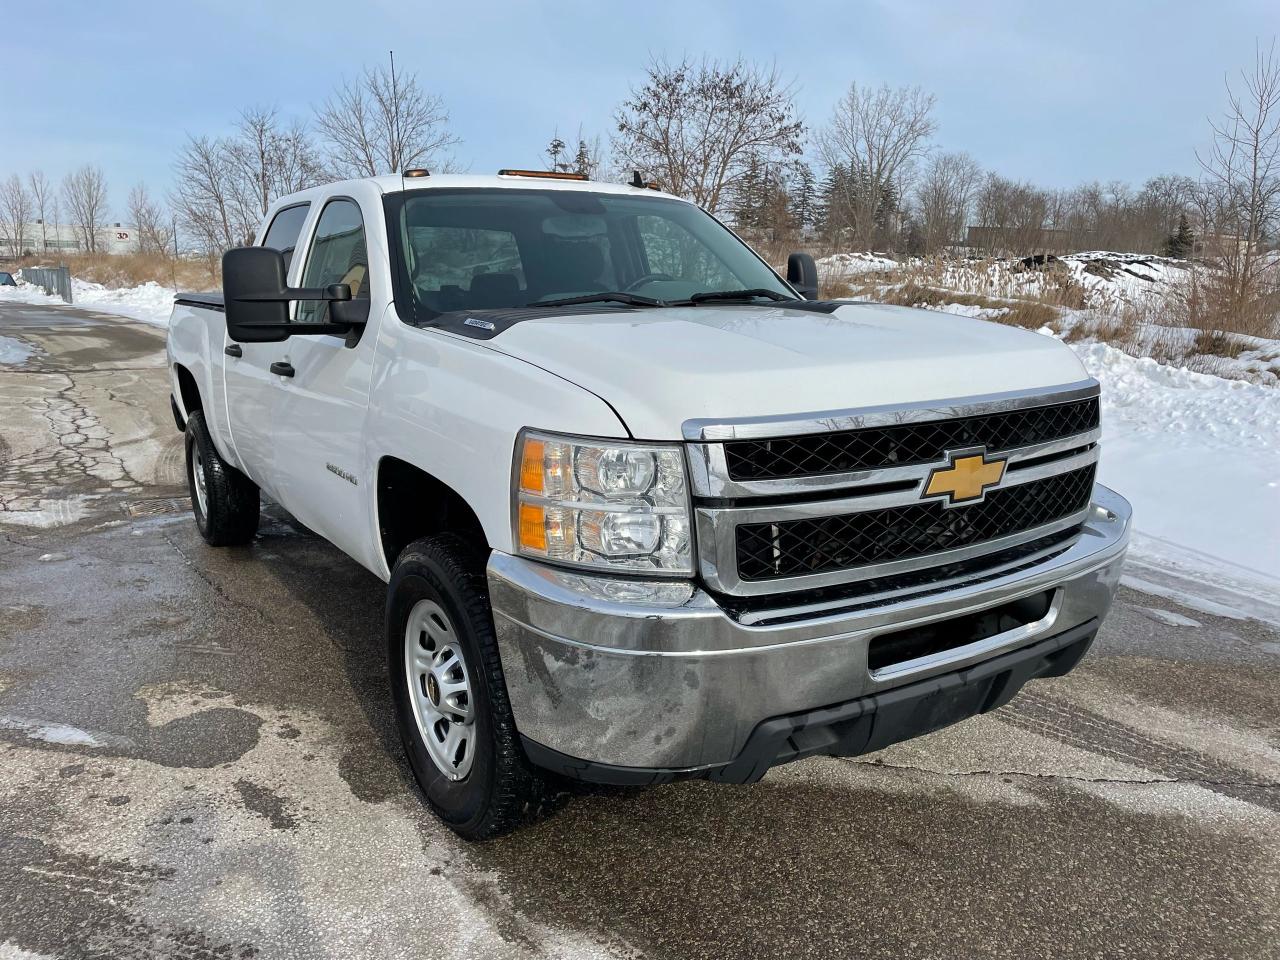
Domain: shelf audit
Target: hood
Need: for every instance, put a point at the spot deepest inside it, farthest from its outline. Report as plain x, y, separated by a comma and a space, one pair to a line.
661, 367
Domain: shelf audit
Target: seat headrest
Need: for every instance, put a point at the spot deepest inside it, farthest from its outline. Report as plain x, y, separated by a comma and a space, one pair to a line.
489, 290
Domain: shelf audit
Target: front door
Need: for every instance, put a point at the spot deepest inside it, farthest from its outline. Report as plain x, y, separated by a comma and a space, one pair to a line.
318, 413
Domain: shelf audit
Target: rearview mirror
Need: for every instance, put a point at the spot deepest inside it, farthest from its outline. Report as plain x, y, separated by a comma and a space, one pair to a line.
256, 298
802, 273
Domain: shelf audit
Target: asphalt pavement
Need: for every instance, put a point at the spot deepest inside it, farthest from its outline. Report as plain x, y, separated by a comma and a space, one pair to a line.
198, 759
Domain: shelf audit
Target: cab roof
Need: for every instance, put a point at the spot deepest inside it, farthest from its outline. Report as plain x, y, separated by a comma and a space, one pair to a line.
394, 183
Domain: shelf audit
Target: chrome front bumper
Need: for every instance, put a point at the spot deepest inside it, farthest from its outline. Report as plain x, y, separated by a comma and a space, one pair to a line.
655, 675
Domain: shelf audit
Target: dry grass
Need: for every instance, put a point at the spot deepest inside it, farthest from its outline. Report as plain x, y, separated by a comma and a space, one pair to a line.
130, 270
1031, 314
1219, 343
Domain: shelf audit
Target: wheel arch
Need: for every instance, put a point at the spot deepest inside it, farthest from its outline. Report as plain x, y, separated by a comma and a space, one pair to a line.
188, 390
412, 503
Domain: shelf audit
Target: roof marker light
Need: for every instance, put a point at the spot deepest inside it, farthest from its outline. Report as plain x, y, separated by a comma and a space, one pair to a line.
543, 174
416, 172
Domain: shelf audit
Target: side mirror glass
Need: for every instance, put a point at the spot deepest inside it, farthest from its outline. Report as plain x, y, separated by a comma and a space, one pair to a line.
802, 273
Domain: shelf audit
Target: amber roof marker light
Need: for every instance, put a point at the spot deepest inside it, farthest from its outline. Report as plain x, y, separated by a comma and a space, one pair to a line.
543, 174
416, 172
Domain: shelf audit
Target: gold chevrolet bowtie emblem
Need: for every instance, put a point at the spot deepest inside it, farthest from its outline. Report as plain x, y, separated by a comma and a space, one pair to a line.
965, 478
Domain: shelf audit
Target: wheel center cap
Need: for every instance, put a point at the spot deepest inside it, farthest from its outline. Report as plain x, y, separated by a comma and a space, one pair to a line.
433, 690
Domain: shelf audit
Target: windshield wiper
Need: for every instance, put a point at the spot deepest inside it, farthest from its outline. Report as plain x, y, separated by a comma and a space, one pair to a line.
755, 293
616, 296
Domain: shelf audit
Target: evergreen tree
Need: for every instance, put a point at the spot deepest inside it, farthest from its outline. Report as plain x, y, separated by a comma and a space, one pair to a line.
583, 161
556, 150
1182, 241
804, 198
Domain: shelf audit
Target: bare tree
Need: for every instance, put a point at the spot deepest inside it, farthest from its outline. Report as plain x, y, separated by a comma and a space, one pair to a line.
203, 196
1241, 185
149, 222
1011, 218
699, 126
877, 135
384, 122
85, 193
944, 197
224, 186
15, 213
41, 195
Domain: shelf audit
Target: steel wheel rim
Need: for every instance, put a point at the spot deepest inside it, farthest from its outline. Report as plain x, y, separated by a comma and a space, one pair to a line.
440, 689
199, 482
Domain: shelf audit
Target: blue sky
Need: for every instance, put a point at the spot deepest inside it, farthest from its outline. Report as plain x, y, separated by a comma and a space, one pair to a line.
1056, 93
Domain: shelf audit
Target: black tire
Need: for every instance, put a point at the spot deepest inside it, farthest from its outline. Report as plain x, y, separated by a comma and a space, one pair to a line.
232, 502
502, 790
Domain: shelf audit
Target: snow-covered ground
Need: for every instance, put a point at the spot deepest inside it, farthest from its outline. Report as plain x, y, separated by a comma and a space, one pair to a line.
1199, 458
150, 302
1106, 278
847, 265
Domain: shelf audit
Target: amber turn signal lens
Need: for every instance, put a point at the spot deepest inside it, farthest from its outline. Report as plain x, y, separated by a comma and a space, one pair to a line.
533, 527
531, 466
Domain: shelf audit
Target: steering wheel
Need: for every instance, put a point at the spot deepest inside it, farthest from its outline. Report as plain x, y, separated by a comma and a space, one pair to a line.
645, 279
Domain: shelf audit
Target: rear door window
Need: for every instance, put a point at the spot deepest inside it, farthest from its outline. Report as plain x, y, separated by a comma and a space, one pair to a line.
285, 228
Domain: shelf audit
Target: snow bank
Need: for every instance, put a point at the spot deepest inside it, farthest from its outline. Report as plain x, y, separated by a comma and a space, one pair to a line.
843, 265
1199, 458
150, 302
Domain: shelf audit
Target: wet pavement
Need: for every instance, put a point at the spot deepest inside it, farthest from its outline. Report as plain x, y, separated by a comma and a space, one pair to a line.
198, 760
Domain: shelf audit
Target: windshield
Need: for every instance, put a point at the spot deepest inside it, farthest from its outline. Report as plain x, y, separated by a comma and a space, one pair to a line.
486, 249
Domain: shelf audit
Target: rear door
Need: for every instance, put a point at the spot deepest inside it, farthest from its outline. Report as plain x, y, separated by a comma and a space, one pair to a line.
250, 384
318, 414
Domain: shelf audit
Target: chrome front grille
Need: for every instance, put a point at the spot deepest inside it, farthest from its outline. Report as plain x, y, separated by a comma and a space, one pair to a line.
896, 445
858, 511
795, 548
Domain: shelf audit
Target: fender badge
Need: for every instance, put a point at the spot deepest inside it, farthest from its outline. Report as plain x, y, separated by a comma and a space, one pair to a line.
338, 471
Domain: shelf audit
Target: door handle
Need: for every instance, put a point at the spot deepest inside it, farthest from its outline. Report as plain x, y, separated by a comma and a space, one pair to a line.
233, 350
282, 368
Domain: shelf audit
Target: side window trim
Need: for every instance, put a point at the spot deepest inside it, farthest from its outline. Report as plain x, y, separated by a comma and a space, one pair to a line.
297, 241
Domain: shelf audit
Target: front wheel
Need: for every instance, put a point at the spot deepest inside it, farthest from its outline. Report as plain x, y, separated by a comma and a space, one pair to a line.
450, 695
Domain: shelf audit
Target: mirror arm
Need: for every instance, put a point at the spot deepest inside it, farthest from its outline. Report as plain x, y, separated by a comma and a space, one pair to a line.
336, 293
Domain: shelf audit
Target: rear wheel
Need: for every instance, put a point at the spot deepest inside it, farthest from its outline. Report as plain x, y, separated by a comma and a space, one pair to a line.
451, 697
225, 502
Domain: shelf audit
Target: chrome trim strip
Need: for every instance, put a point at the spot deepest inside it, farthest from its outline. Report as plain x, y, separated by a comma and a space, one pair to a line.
869, 600
723, 576
1009, 638
831, 421
709, 473
810, 509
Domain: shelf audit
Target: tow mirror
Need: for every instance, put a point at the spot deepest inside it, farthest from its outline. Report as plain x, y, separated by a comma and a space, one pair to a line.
802, 273
256, 298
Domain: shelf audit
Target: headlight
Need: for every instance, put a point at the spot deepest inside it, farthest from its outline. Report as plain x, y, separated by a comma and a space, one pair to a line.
604, 504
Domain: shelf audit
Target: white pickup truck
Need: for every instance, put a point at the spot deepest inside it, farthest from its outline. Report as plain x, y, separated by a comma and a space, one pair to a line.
646, 511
